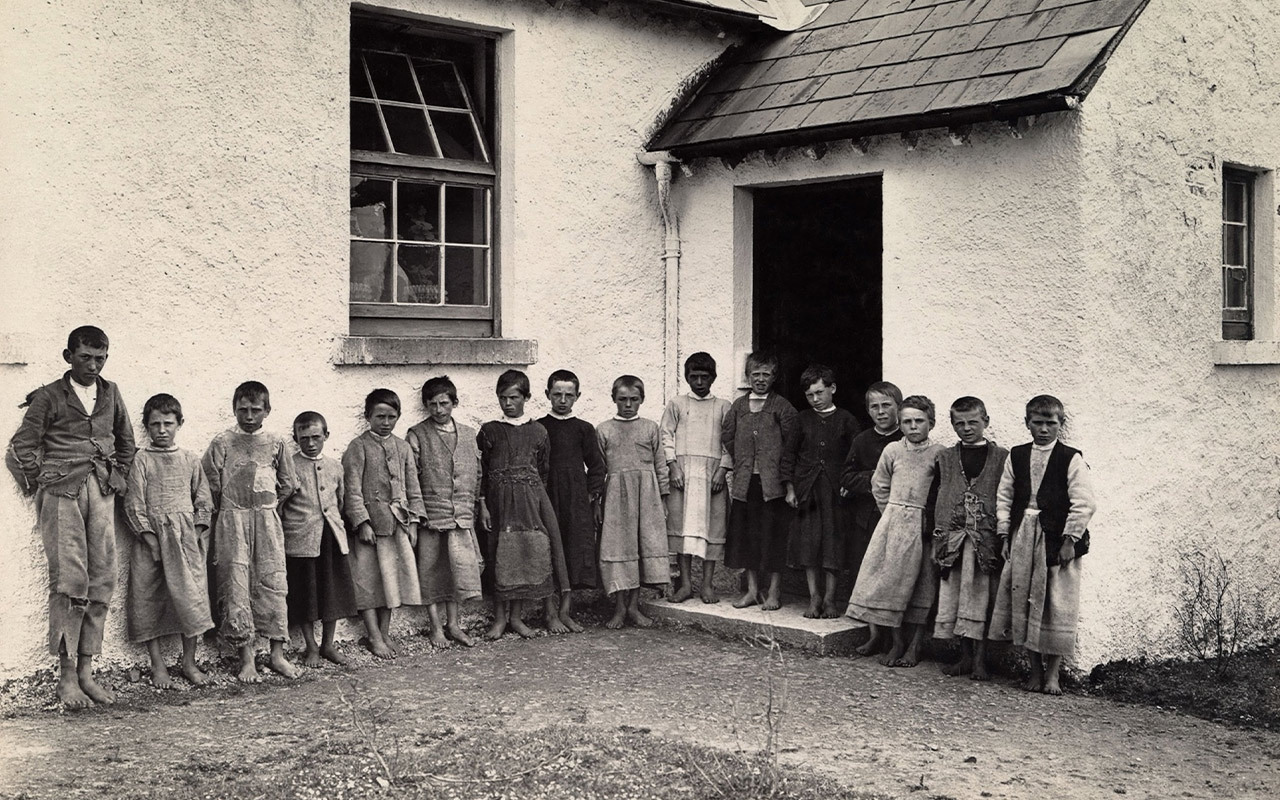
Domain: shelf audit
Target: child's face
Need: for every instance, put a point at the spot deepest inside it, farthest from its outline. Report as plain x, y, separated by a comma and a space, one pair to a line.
628, 400
162, 427
760, 376
562, 394
251, 412
382, 419
883, 411
440, 408
310, 438
700, 381
915, 425
512, 401
820, 395
970, 426
1044, 427
86, 363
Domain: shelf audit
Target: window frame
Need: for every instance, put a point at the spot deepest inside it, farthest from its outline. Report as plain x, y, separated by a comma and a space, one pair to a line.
1238, 322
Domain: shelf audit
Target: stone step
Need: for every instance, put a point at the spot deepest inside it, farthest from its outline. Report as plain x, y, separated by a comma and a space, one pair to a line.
787, 625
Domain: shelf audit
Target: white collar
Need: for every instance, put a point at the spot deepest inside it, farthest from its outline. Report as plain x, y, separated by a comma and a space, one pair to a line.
620, 418
693, 396
452, 427
1044, 447
825, 411
982, 443
910, 446
151, 448
380, 438
242, 431
319, 457
754, 396
520, 420
554, 415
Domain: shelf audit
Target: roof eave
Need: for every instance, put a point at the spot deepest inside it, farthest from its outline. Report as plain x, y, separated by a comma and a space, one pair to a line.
738, 19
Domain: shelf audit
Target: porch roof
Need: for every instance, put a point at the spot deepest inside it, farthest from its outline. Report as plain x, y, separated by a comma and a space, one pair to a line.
866, 67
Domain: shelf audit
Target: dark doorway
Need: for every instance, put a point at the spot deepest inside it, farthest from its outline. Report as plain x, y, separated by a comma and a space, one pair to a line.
817, 284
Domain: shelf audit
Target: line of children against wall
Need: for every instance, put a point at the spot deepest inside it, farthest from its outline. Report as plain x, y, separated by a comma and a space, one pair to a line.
294, 538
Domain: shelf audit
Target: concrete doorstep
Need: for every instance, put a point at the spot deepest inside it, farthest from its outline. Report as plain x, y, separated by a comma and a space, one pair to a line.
787, 625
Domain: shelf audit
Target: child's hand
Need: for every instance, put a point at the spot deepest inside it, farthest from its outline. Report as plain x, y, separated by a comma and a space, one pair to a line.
717, 480
153, 544
1067, 551
365, 532
413, 534
677, 475
791, 496
1004, 550
597, 509
486, 522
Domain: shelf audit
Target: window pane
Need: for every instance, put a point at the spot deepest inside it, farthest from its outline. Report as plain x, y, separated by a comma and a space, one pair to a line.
465, 215
439, 84
466, 270
419, 211
1235, 283
1233, 201
457, 136
391, 77
370, 208
359, 82
1234, 245
409, 133
370, 272
366, 130
418, 280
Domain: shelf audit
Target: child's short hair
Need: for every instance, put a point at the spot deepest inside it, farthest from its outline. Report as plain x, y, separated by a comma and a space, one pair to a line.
252, 390
921, 403
700, 361
762, 358
627, 382
161, 403
439, 385
563, 375
89, 336
516, 378
966, 404
817, 372
384, 397
1046, 405
889, 390
309, 418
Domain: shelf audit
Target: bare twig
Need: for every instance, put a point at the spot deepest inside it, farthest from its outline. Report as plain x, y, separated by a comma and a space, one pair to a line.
500, 779
370, 736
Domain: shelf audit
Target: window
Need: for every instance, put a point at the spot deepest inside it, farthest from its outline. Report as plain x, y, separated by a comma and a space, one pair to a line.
422, 180
1237, 254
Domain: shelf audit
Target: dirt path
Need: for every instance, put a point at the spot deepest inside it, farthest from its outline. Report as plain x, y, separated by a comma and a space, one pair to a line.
893, 733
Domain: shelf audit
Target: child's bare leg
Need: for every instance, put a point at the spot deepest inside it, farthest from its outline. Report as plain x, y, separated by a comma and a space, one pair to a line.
1035, 681
278, 663
566, 606
501, 610
965, 665
753, 591
815, 596
248, 669
69, 684
619, 610
452, 628
829, 597
551, 609
708, 592
384, 627
374, 634
633, 610
516, 619
685, 590
189, 669
1052, 666
773, 601
95, 691
914, 649
897, 650
311, 655
327, 649
873, 641
980, 672
159, 672
436, 634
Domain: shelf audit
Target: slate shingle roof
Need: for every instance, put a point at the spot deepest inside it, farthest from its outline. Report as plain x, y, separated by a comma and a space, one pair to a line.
879, 66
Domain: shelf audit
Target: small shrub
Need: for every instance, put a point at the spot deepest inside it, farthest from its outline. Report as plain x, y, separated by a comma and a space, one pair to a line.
1218, 612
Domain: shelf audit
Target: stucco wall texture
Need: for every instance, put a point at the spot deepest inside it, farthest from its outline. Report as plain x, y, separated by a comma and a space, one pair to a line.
177, 173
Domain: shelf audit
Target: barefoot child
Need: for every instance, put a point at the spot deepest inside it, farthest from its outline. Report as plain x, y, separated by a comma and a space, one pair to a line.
250, 472
575, 485
383, 506
759, 433
824, 435
448, 555
315, 543
697, 507
168, 506
898, 581
525, 544
73, 451
883, 401
1043, 508
633, 537
966, 549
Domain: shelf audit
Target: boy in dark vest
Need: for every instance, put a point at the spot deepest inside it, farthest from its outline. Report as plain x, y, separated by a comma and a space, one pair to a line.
1043, 508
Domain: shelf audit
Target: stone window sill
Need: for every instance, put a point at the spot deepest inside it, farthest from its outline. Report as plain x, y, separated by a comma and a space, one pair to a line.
1246, 353
390, 350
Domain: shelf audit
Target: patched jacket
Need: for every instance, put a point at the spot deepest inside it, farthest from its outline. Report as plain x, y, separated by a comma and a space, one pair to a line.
318, 500
763, 441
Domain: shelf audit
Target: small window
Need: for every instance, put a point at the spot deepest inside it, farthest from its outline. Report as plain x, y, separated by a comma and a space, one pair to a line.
1237, 254
422, 180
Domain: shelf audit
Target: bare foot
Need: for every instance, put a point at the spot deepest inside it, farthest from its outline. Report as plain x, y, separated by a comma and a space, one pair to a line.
639, 619
391, 645
379, 648
869, 647
772, 603
497, 630
962, 667
456, 633
615, 622
980, 672
1032, 684
438, 639
1051, 686
556, 625
571, 623
891, 658
96, 692
519, 627
69, 691
829, 610
708, 593
248, 673
814, 609
160, 676
683, 593
748, 599
282, 666
311, 658
330, 653
908, 659
194, 674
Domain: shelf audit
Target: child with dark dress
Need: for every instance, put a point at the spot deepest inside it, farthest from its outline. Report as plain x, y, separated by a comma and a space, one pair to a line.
759, 435
250, 471
575, 485
525, 544
448, 553
824, 434
965, 546
633, 536
383, 506
168, 507
883, 401
315, 543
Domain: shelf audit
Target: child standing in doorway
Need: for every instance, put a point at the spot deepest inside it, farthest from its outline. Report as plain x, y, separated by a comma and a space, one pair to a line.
883, 402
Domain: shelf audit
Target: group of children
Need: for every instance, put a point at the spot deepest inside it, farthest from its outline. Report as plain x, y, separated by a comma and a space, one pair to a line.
259, 535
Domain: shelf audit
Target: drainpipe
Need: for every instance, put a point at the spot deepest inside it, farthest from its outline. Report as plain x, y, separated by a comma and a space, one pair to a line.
662, 163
